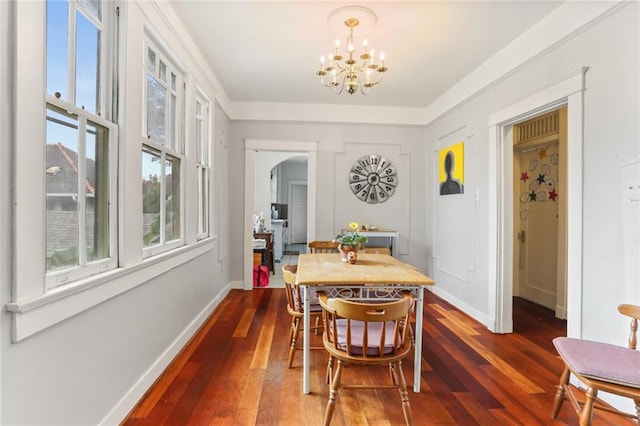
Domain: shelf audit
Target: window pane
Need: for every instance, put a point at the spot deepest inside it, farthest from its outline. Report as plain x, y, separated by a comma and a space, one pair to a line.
151, 60
173, 81
93, 6
199, 156
156, 110
61, 190
163, 71
202, 199
151, 176
172, 198
57, 31
97, 193
87, 63
173, 139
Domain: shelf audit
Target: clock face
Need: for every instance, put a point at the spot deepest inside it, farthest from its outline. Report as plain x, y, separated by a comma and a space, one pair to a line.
373, 179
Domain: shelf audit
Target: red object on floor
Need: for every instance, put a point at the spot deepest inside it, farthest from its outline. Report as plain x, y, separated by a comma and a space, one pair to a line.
260, 276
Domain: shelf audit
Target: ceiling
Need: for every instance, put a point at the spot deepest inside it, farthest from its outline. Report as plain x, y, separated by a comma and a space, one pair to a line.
269, 51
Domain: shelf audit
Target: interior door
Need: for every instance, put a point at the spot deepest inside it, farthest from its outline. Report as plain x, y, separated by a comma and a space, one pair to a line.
536, 223
298, 212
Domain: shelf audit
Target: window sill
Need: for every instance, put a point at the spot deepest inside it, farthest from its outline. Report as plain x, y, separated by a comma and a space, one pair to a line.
36, 314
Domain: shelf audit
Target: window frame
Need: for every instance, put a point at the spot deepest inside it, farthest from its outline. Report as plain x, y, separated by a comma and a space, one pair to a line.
175, 148
203, 164
104, 116
86, 268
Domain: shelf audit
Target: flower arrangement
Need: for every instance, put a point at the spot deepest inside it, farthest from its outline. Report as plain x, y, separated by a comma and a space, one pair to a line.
353, 238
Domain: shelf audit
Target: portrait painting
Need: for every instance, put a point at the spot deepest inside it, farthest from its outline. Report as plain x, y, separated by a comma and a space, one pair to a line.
452, 169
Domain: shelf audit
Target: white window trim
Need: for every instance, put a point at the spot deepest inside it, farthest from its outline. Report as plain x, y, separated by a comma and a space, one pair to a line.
166, 149
68, 275
204, 206
33, 309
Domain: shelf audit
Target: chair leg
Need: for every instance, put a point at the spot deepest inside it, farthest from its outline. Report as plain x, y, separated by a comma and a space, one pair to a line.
333, 394
396, 368
329, 370
587, 409
295, 331
560, 393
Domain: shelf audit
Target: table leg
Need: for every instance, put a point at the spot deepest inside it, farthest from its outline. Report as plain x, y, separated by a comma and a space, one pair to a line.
306, 345
417, 362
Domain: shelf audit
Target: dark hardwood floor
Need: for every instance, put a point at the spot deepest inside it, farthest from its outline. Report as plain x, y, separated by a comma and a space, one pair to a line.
234, 372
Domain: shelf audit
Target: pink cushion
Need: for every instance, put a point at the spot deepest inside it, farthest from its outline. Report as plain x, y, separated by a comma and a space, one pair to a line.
600, 361
357, 334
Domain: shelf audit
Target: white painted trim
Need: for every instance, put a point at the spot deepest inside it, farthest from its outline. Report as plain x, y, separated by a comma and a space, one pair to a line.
464, 307
119, 412
567, 90
33, 315
568, 19
331, 113
7, 102
282, 145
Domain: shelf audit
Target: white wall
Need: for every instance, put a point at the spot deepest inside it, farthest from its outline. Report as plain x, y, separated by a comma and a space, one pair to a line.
339, 146
94, 366
610, 48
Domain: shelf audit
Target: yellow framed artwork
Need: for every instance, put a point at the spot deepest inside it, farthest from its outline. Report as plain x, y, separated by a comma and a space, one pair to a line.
452, 169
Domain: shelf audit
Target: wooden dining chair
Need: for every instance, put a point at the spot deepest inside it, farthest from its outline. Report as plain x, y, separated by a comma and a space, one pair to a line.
296, 310
319, 246
600, 367
366, 334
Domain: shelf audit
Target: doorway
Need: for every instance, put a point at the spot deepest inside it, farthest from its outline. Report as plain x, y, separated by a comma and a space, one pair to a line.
566, 91
539, 241
252, 145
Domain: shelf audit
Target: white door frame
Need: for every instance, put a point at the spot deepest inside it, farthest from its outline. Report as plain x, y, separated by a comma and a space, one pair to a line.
569, 91
251, 145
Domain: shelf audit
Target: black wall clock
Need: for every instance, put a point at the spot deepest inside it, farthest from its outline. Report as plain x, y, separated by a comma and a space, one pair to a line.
373, 179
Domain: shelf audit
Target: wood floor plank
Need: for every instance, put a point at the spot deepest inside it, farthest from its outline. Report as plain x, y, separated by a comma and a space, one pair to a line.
234, 372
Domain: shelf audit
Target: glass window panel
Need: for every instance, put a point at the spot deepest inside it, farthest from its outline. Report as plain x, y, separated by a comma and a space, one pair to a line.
156, 110
172, 198
173, 81
202, 198
57, 51
199, 150
94, 7
151, 60
198, 108
96, 190
61, 177
87, 64
163, 71
151, 177
173, 138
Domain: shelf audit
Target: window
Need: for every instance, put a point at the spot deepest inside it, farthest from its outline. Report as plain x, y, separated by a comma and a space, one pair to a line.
162, 154
202, 163
80, 144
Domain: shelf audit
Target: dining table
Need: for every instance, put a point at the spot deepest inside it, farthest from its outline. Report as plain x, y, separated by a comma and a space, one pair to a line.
374, 277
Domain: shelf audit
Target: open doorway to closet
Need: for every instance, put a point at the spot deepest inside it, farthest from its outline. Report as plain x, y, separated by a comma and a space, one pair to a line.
567, 91
539, 240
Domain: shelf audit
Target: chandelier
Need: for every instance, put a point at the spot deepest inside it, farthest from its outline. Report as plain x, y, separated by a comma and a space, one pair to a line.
351, 72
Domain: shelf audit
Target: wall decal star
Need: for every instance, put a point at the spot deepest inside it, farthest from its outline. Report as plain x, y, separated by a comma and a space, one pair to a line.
542, 153
553, 195
540, 178
524, 176
532, 196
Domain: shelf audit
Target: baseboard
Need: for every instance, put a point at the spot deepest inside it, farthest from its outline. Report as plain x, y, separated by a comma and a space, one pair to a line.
137, 391
464, 307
